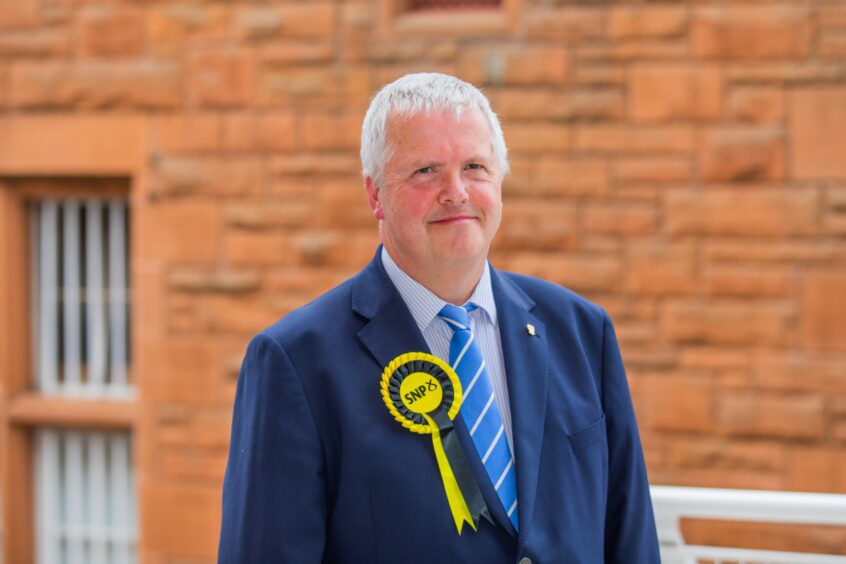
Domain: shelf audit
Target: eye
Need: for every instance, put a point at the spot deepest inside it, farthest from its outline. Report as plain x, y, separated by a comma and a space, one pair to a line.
475, 166
424, 170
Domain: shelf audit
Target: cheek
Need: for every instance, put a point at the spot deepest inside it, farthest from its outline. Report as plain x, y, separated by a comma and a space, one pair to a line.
416, 208
489, 198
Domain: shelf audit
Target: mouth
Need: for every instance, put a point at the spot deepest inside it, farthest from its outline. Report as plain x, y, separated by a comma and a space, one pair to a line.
453, 219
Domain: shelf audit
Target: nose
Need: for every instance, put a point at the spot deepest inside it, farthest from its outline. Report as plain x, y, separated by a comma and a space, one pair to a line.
453, 189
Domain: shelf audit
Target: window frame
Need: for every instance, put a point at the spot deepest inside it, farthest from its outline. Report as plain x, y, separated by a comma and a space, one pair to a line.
22, 409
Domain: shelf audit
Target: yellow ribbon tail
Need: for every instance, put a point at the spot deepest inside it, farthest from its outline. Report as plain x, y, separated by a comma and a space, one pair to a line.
457, 504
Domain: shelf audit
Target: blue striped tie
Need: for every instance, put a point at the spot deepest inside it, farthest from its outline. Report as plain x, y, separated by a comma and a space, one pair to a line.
478, 407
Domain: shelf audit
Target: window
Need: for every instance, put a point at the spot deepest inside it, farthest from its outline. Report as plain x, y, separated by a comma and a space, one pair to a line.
66, 442
80, 306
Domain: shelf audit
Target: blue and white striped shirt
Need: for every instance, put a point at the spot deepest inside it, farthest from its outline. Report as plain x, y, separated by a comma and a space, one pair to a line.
425, 306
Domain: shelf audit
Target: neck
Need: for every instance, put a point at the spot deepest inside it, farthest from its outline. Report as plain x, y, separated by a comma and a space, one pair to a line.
453, 283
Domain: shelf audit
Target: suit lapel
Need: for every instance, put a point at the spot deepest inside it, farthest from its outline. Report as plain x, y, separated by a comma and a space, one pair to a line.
525, 358
391, 330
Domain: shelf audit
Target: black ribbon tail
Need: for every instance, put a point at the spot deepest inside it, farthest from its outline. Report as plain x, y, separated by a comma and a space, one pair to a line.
461, 468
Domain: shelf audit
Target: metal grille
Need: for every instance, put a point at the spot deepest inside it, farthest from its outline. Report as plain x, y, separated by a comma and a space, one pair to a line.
419, 5
80, 297
85, 501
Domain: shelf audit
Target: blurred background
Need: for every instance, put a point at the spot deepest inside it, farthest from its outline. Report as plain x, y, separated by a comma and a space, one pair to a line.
176, 175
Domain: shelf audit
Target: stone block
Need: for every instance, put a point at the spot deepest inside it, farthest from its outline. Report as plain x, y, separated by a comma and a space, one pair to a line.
207, 176
622, 139
596, 103
239, 315
652, 170
647, 21
294, 51
182, 370
172, 27
674, 91
181, 231
184, 133
538, 225
823, 306
269, 216
744, 281
15, 14
569, 177
731, 211
322, 131
221, 79
632, 219
181, 519
816, 469
677, 403
661, 268
341, 205
715, 359
743, 154
751, 32
276, 131
111, 31
756, 104
761, 414
570, 24
802, 371
632, 51
27, 43
313, 20
802, 252
303, 87
196, 280
576, 271
139, 84
817, 122
4, 85
719, 454
769, 323
524, 65
256, 248
531, 137
832, 45
598, 73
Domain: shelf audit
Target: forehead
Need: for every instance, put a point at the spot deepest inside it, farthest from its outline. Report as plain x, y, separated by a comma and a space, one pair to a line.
439, 129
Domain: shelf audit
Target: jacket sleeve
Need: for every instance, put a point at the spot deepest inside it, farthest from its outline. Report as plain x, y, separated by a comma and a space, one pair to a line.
630, 535
274, 500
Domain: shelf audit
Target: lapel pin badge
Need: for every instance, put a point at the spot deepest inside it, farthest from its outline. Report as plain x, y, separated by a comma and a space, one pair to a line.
530, 329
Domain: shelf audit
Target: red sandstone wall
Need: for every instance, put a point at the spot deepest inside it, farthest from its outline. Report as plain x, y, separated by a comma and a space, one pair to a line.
680, 163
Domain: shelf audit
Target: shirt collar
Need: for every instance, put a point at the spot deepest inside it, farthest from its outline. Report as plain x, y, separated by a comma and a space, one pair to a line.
425, 305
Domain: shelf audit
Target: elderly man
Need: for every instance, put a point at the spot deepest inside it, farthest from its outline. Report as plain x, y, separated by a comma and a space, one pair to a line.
432, 408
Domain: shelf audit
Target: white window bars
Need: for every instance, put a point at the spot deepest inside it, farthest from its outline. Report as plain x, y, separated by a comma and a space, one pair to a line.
84, 494
672, 504
84, 497
80, 297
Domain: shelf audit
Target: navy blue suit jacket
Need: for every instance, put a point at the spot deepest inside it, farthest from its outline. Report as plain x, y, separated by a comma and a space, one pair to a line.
319, 471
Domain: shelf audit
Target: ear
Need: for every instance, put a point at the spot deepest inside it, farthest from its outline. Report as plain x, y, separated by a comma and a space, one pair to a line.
373, 197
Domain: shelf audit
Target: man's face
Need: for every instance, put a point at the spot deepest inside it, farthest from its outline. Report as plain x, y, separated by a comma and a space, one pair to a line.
440, 203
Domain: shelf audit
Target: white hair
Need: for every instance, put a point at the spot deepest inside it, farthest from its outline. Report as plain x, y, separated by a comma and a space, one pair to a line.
415, 93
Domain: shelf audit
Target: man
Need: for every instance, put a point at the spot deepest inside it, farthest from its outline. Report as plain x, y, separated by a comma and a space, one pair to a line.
543, 461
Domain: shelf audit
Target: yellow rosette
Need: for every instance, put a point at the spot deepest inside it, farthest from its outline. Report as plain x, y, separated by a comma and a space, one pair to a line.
423, 393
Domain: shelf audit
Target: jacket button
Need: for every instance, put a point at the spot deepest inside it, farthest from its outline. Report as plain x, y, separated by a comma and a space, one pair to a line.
525, 560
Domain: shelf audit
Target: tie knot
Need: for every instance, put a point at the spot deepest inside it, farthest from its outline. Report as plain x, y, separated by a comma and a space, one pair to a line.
456, 316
